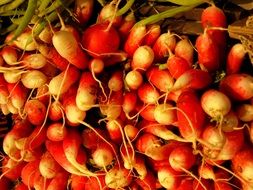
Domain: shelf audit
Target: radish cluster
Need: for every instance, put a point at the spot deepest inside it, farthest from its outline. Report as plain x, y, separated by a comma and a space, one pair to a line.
125, 106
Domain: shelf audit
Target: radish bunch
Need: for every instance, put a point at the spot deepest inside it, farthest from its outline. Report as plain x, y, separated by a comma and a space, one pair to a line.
125, 106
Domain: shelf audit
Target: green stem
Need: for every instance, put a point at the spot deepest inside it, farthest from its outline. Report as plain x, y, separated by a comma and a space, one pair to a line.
124, 9
13, 13
165, 14
3, 2
101, 2
181, 2
10, 6
43, 5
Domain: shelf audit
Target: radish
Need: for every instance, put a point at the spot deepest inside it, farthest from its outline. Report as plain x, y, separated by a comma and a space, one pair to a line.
230, 122
36, 111
186, 183
4, 93
21, 186
134, 79
34, 61
143, 58
118, 178
96, 183
148, 94
83, 10
206, 171
242, 164
130, 131
96, 66
78, 182
91, 137
68, 47
129, 102
56, 131
33, 79
177, 66
46, 35
103, 155
182, 158
59, 182
237, 86
147, 112
5, 183
40, 182
48, 167
134, 39
13, 76
165, 44
208, 53
193, 78
235, 58
86, 92
127, 24
168, 178
185, 50
115, 130
18, 94
98, 34
28, 173
165, 114
55, 112
161, 79
202, 184
215, 103
153, 32
9, 55
191, 116
61, 83
149, 182
115, 83
245, 112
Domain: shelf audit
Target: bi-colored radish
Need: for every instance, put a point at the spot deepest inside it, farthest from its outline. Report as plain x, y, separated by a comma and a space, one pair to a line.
108, 15
153, 32
83, 10
148, 94
185, 50
177, 66
56, 131
59, 182
134, 79
245, 112
33, 79
9, 55
165, 114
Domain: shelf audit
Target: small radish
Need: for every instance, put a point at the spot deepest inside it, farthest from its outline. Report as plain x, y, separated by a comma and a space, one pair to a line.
149, 182
68, 47
148, 94
59, 182
103, 155
143, 58
108, 15
33, 79
127, 23
245, 112
129, 102
235, 59
35, 61
165, 114
147, 112
230, 122
208, 53
134, 39
237, 86
83, 10
134, 79
28, 173
153, 32
115, 82
185, 50
9, 55
78, 182
177, 66
115, 130
98, 34
215, 103
55, 112
56, 131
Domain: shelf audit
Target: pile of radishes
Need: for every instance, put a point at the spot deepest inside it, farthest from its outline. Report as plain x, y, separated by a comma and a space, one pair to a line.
125, 106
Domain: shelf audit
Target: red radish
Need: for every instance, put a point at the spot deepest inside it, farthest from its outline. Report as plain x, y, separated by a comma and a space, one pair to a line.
48, 167
118, 178
129, 102
103, 155
55, 58
177, 66
182, 158
115, 83
161, 79
208, 53
46, 35
4, 93
165, 44
140, 166
59, 182
235, 58
153, 32
148, 94
134, 79
238, 86
83, 10
86, 92
18, 94
185, 50
215, 103
165, 114
245, 112
193, 78
242, 164
78, 182
90, 138
33, 79
213, 140
146, 141
96, 65
115, 58
11, 169
108, 15
235, 140
61, 83
56, 131
230, 122
191, 116
147, 112
40, 182
134, 39
126, 25
98, 34
9, 55
55, 112
28, 173
143, 58
57, 151
130, 131
96, 183
149, 182
21, 186
68, 47
36, 111
115, 130
206, 171
168, 178
1, 60
186, 183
